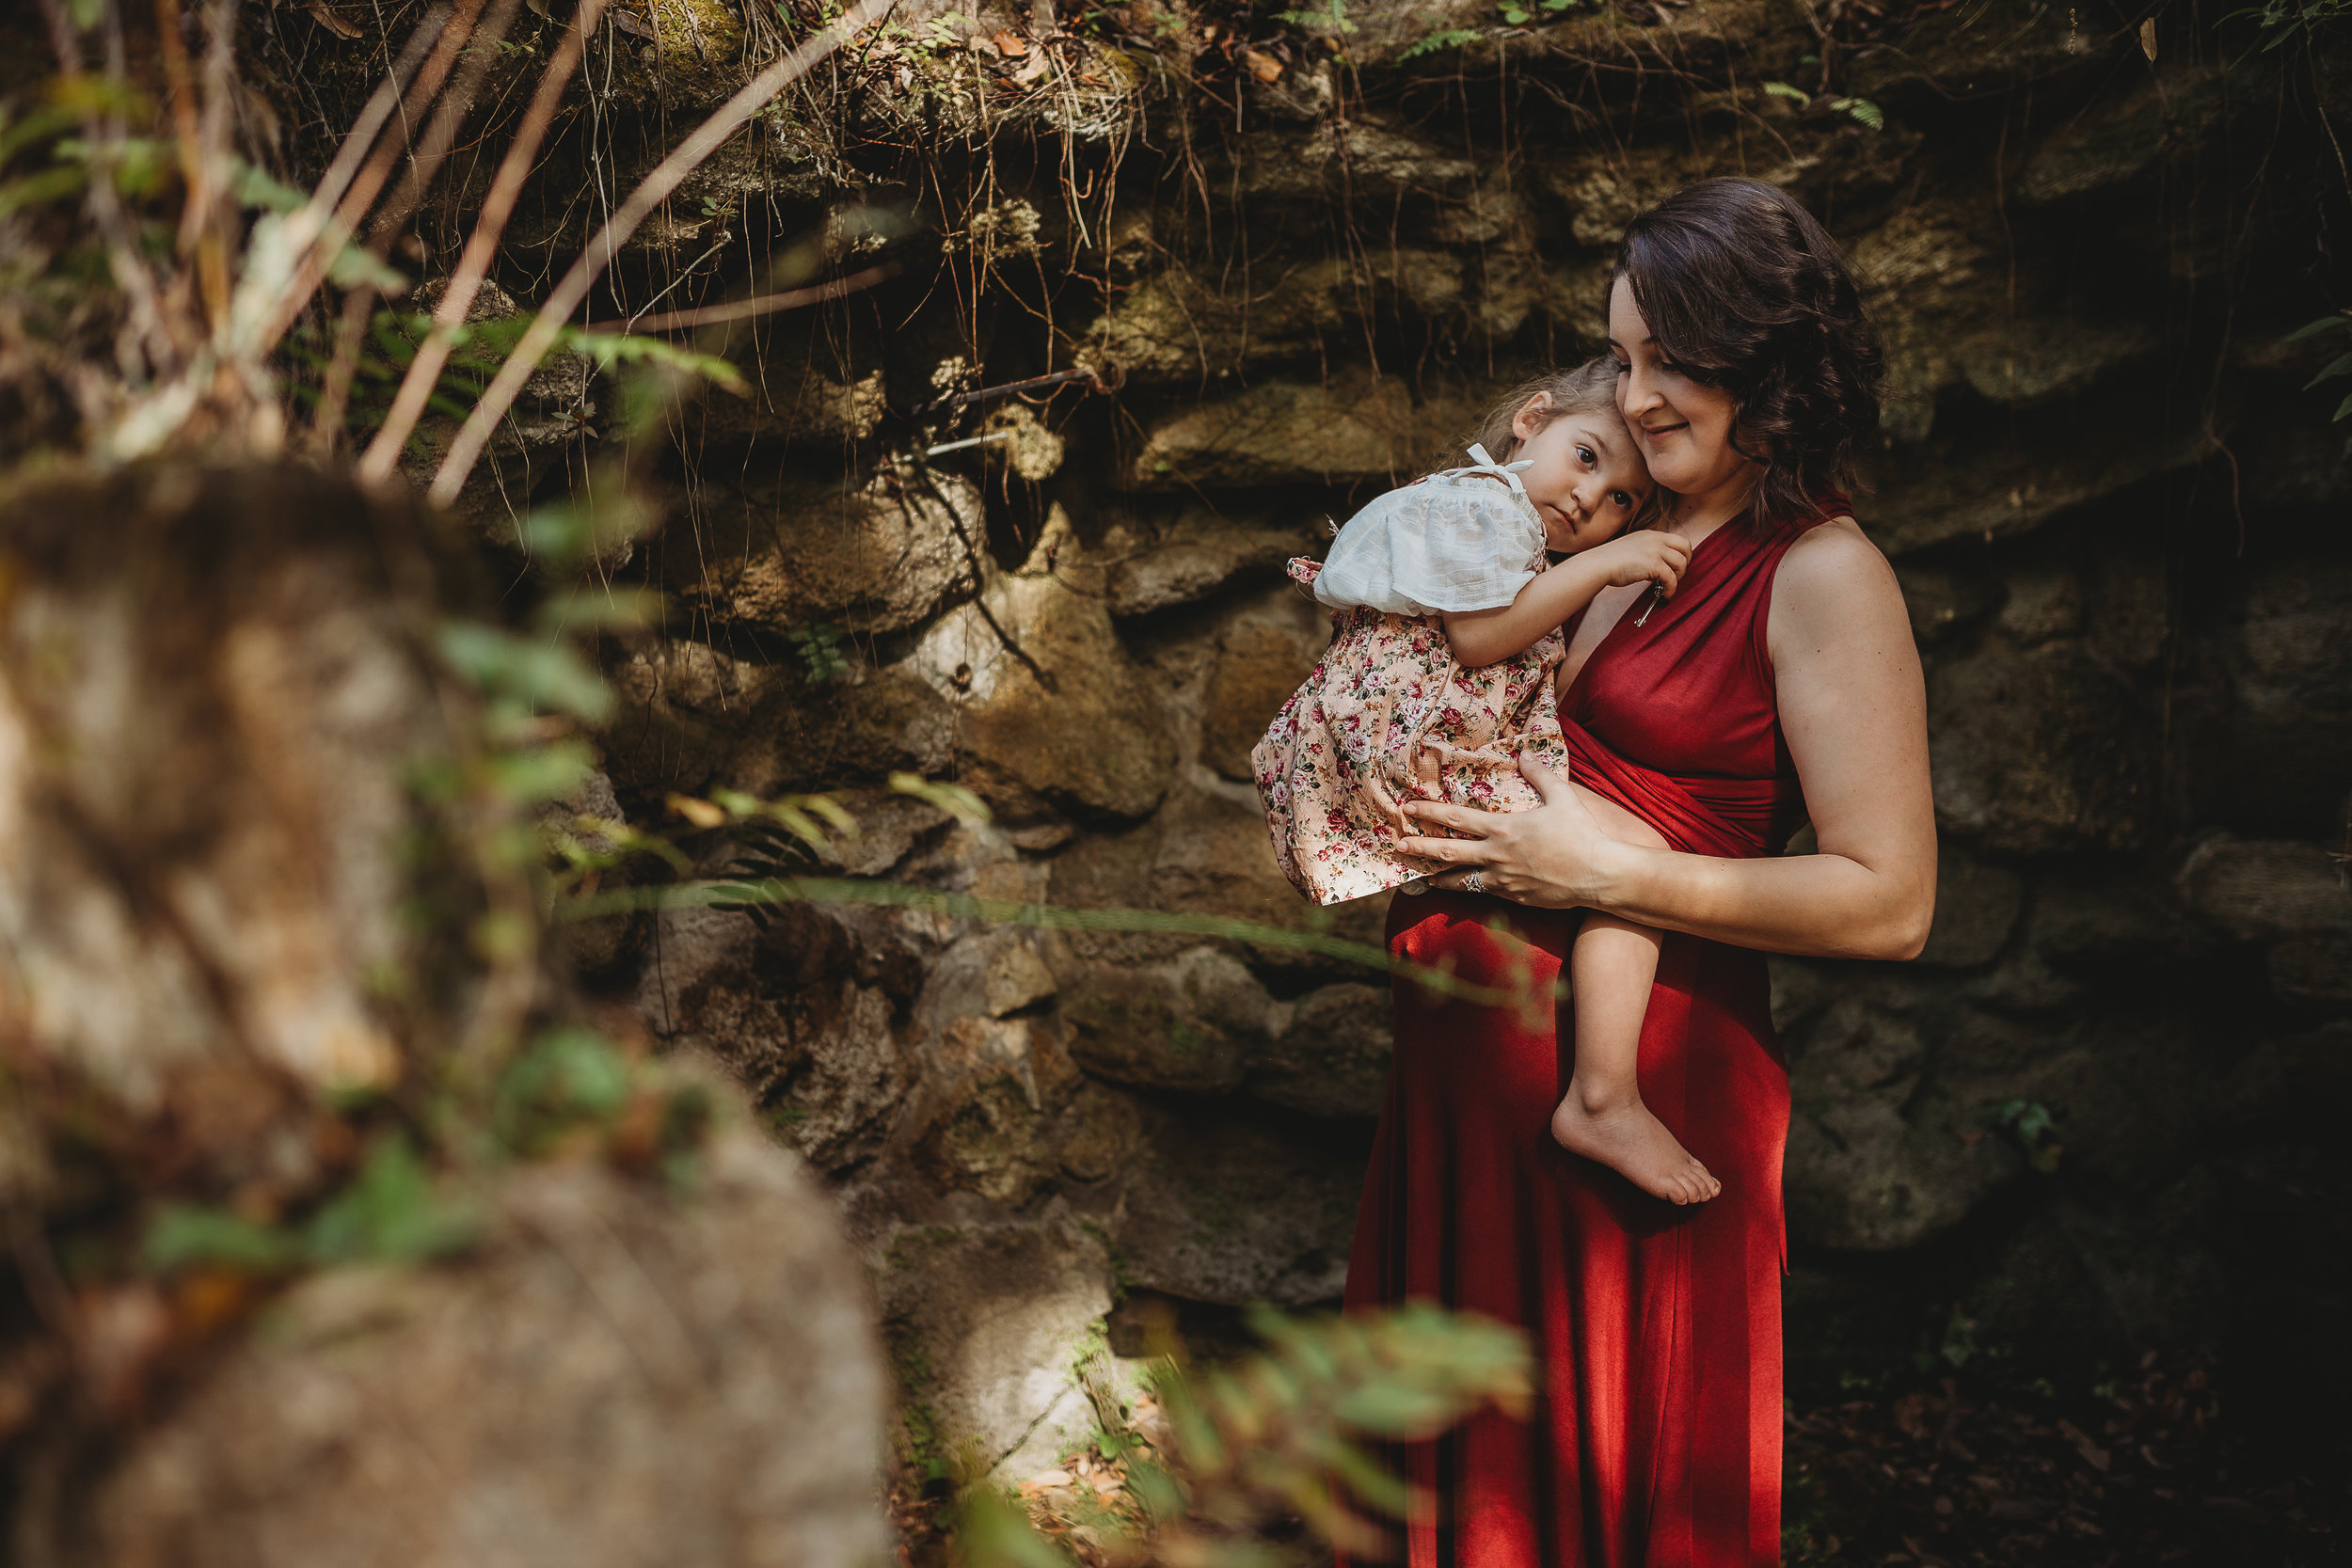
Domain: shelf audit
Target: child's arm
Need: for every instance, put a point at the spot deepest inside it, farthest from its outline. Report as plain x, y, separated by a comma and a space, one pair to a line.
1482, 636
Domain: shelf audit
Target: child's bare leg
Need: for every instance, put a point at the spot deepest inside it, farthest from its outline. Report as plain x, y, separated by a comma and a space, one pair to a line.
1611, 969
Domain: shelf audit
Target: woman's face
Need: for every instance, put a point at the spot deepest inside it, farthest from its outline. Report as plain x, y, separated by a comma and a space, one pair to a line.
1684, 426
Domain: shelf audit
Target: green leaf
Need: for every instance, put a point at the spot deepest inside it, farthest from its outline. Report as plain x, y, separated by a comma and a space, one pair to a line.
954, 800
390, 1213
38, 190
255, 188
603, 608
608, 349
2342, 365
995, 1533
52, 119
547, 773
1795, 95
2311, 329
549, 675
354, 265
182, 1234
2343, 409
566, 1076
1448, 38
1863, 110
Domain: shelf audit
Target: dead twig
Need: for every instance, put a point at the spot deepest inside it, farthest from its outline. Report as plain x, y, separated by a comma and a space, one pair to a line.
742, 309
473, 264
466, 450
313, 238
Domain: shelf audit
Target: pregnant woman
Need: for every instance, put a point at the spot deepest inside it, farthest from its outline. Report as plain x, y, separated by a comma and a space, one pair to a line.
1779, 682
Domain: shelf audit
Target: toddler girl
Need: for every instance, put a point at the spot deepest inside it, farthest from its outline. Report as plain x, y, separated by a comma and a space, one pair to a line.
1440, 675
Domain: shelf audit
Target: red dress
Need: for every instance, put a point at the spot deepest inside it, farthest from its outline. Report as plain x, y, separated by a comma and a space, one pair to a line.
1656, 1437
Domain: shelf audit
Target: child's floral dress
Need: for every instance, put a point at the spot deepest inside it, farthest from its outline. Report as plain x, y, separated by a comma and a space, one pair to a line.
1389, 713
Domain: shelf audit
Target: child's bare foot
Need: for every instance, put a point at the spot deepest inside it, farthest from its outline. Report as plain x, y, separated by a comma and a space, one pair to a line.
1621, 1133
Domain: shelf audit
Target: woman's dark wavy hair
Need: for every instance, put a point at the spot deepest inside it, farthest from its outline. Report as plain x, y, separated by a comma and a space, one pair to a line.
1744, 291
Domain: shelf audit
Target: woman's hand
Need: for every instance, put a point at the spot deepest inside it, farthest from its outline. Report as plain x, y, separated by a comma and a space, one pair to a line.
1554, 856
1650, 556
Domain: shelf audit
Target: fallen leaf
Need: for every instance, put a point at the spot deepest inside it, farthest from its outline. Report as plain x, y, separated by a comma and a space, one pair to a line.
1265, 68
1011, 44
635, 26
2093, 1455
983, 48
702, 814
1032, 68
322, 14
2147, 39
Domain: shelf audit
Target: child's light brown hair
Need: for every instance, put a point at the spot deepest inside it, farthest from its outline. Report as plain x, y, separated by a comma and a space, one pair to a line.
1587, 388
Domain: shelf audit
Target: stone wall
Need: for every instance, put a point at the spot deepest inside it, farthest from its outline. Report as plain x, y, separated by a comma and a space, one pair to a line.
2086, 1120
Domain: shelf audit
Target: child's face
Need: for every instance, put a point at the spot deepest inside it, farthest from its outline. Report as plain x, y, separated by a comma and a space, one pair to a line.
1588, 481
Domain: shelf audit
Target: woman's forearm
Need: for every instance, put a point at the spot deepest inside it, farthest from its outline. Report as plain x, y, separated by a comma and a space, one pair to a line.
1815, 906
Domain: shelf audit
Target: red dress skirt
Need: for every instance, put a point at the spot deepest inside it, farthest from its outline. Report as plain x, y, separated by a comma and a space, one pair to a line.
1656, 1437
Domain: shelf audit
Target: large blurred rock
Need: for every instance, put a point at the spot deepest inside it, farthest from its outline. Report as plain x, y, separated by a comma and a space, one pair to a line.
2039, 750
212, 685
618, 1376
1051, 712
875, 559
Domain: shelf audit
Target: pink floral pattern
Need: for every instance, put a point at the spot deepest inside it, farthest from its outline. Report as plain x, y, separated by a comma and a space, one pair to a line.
1386, 708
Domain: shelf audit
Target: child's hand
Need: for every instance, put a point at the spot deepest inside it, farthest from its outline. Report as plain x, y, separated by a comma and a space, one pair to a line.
1650, 556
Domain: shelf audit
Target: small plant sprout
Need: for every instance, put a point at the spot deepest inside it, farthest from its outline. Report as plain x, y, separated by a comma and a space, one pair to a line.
2335, 369
1860, 110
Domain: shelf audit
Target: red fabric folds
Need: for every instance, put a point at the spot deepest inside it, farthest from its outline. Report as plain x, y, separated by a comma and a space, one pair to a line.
1656, 1439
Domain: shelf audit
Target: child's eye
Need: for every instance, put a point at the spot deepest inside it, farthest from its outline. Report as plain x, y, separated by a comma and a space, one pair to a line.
1622, 499
1586, 454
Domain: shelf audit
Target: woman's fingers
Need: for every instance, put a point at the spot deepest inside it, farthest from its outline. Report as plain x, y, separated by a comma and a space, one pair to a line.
1551, 787
1464, 819
1450, 851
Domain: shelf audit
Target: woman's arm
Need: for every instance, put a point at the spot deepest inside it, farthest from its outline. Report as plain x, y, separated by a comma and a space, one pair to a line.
1481, 637
1854, 710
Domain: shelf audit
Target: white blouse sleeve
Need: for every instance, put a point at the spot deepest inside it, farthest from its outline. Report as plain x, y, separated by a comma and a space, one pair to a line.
1456, 541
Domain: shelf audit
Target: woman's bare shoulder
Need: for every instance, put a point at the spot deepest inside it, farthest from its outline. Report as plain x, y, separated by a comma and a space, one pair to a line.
1832, 573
